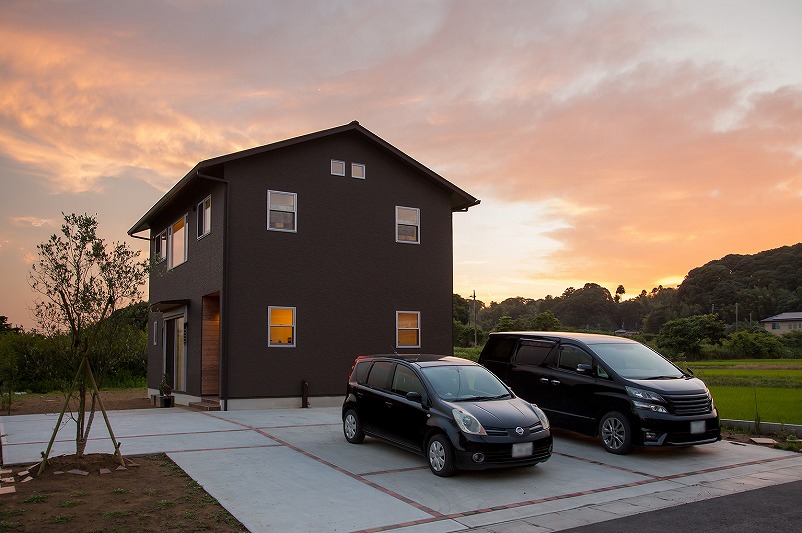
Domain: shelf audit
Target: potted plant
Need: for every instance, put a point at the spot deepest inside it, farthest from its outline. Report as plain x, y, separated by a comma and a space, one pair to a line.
165, 393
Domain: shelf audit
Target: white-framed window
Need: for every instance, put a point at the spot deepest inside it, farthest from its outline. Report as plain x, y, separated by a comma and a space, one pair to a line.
177, 242
337, 168
282, 211
281, 327
358, 171
160, 247
205, 217
407, 329
407, 224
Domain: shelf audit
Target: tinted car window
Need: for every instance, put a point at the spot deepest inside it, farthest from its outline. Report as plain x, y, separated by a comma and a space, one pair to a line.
498, 349
533, 353
636, 361
571, 356
380, 374
405, 381
361, 372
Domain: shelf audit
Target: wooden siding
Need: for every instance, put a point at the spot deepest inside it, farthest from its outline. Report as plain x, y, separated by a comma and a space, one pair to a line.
210, 347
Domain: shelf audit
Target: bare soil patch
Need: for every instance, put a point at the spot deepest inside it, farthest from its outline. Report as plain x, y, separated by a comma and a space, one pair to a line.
151, 494
29, 404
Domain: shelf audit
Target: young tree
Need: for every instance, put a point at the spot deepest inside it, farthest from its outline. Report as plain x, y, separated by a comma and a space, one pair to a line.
81, 282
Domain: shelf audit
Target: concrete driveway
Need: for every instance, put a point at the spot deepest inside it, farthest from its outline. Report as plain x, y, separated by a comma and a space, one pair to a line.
291, 469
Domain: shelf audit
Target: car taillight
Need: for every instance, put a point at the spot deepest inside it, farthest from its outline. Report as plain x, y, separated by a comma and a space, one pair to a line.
358, 357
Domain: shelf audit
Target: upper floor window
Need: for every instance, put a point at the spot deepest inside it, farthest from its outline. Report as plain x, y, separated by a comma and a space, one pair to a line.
337, 168
358, 171
282, 211
407, 225
407, 331
177, 242
160, 247
205, 217
281, 326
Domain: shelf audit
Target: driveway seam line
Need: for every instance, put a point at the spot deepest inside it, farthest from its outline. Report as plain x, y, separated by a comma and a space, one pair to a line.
419, 506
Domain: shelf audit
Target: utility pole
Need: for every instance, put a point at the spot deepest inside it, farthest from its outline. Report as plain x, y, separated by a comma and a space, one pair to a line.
475, 339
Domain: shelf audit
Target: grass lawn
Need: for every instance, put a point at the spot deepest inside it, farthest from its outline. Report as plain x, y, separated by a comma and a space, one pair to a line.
774, 404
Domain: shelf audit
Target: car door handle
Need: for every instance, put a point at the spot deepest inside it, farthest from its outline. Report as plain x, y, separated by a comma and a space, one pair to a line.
544, 380
555, 381
388, 404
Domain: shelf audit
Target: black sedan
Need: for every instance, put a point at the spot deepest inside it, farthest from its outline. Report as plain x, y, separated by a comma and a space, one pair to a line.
451, 410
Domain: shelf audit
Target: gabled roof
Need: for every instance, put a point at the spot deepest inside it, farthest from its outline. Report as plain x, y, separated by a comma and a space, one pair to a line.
784, 317
460, 200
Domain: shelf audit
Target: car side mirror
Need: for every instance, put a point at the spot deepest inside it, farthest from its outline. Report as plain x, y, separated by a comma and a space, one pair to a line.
583, 368
414, 397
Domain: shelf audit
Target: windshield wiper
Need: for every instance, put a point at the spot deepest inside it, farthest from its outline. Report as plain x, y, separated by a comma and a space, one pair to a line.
662, 377
482, 398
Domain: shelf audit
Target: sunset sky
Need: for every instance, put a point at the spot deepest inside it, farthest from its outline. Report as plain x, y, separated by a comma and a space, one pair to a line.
615, 142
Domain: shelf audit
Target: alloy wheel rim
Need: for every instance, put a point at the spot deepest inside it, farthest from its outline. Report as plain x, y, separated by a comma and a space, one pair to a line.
613, 433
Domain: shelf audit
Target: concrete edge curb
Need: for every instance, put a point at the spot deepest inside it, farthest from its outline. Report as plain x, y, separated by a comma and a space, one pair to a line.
774, 427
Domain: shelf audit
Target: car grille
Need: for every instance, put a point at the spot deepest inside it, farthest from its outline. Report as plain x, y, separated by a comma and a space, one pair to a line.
510, 432
503, 454
689, 404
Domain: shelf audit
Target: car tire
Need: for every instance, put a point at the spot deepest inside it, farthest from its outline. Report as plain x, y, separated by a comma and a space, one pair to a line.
440, 456
615, 433
352, 428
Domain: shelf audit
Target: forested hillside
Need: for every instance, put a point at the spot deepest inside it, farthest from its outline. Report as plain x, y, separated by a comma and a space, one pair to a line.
736, 288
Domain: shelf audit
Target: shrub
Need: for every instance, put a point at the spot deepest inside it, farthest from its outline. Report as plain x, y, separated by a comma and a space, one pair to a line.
753, 345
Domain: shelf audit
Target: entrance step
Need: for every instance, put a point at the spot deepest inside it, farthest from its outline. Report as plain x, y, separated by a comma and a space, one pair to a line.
207, 404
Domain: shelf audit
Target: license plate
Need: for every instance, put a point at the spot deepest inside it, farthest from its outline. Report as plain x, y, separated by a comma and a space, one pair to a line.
522, 449
697, 426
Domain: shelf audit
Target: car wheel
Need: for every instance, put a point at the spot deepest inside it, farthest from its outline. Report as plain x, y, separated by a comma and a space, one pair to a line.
352, 428
440, 456
615, 433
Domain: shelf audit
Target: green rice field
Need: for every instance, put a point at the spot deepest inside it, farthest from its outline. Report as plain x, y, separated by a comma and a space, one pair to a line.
783, 406
772, 388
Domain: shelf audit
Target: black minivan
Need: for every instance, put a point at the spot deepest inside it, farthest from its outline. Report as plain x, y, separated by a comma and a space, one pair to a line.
614, 387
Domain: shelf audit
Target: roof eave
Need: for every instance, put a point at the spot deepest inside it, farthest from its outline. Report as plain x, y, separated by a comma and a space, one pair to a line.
460, 200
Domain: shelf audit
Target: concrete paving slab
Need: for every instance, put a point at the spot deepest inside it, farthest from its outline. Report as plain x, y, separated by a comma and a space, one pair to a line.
372, 457
291, 469
502, 488
140, 431
276, 489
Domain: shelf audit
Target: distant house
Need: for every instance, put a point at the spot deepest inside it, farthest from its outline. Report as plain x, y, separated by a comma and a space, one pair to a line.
783, 323
276, 266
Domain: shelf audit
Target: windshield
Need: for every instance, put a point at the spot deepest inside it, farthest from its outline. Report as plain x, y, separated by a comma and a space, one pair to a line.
636, 361
468, 382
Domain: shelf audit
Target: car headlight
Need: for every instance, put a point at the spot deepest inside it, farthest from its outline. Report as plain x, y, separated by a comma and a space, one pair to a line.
649, 396
468, 423
544, 420
650, 406
644, 395
712, 402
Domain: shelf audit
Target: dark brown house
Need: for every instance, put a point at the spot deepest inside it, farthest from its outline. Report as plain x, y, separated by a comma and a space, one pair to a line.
278, 265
